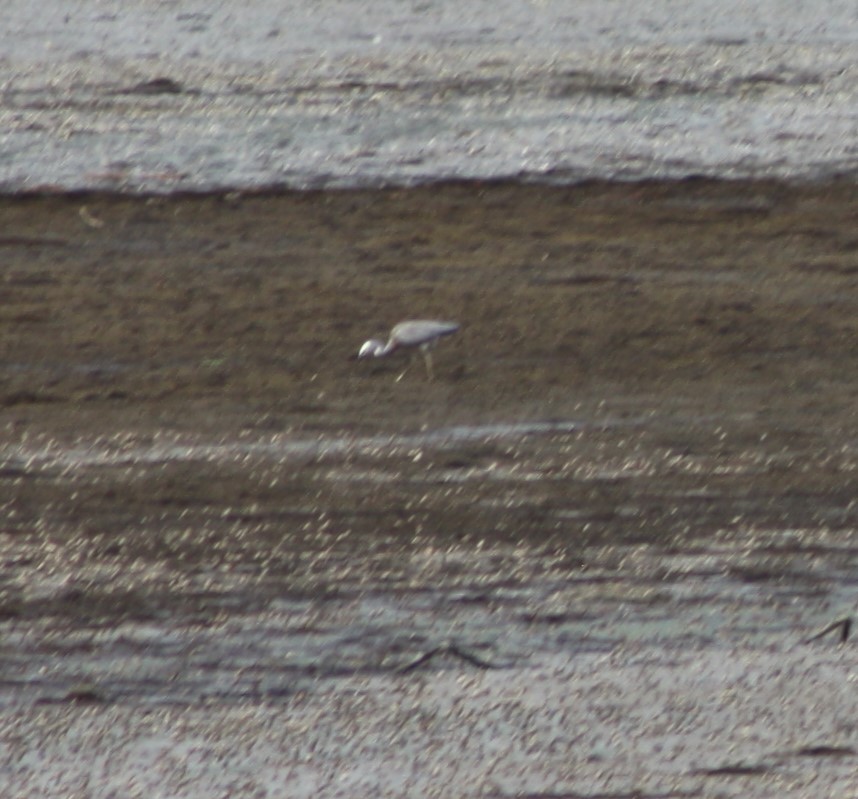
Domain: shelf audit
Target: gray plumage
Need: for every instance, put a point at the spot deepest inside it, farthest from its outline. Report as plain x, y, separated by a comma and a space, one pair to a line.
418, 333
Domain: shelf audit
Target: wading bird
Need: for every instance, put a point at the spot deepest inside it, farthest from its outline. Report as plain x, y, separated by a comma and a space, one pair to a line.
422, 334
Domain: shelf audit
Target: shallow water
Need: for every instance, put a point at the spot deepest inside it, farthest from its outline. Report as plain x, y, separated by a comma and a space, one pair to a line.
124, 450
160, 96
345, 593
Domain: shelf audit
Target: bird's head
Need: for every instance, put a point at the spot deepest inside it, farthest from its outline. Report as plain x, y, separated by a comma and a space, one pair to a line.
371, 347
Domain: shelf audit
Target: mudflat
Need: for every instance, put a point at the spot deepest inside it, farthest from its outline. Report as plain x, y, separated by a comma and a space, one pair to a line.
651, 404
231, 311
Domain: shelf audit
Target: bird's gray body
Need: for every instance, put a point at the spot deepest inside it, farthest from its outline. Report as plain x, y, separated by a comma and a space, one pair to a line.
420, 333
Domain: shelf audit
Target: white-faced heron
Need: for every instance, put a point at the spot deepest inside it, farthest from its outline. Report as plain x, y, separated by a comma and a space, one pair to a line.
422, 334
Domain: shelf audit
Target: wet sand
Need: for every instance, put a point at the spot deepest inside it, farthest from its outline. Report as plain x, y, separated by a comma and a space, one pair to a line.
631, 483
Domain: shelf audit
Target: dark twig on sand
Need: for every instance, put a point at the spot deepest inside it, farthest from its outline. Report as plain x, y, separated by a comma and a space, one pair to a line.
446, 649
844, 625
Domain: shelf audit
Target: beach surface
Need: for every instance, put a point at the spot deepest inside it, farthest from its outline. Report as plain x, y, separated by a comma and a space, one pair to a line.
585, 560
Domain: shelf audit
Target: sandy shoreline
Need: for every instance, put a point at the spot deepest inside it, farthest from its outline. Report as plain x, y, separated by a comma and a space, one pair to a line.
220, 535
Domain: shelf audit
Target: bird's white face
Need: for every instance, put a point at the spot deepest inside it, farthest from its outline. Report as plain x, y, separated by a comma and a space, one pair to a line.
371, 347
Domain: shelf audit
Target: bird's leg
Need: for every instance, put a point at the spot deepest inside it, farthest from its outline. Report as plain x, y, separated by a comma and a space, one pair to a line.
403, 372
427, 358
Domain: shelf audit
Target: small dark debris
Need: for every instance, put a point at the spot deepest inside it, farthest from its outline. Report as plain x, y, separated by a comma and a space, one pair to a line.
25, 397
78, 695
826, 751
844, 625
555, 618
85, 696
155, 86
733, 769
447, 649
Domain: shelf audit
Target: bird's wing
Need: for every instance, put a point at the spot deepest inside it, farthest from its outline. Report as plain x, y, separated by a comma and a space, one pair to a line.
419, 331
